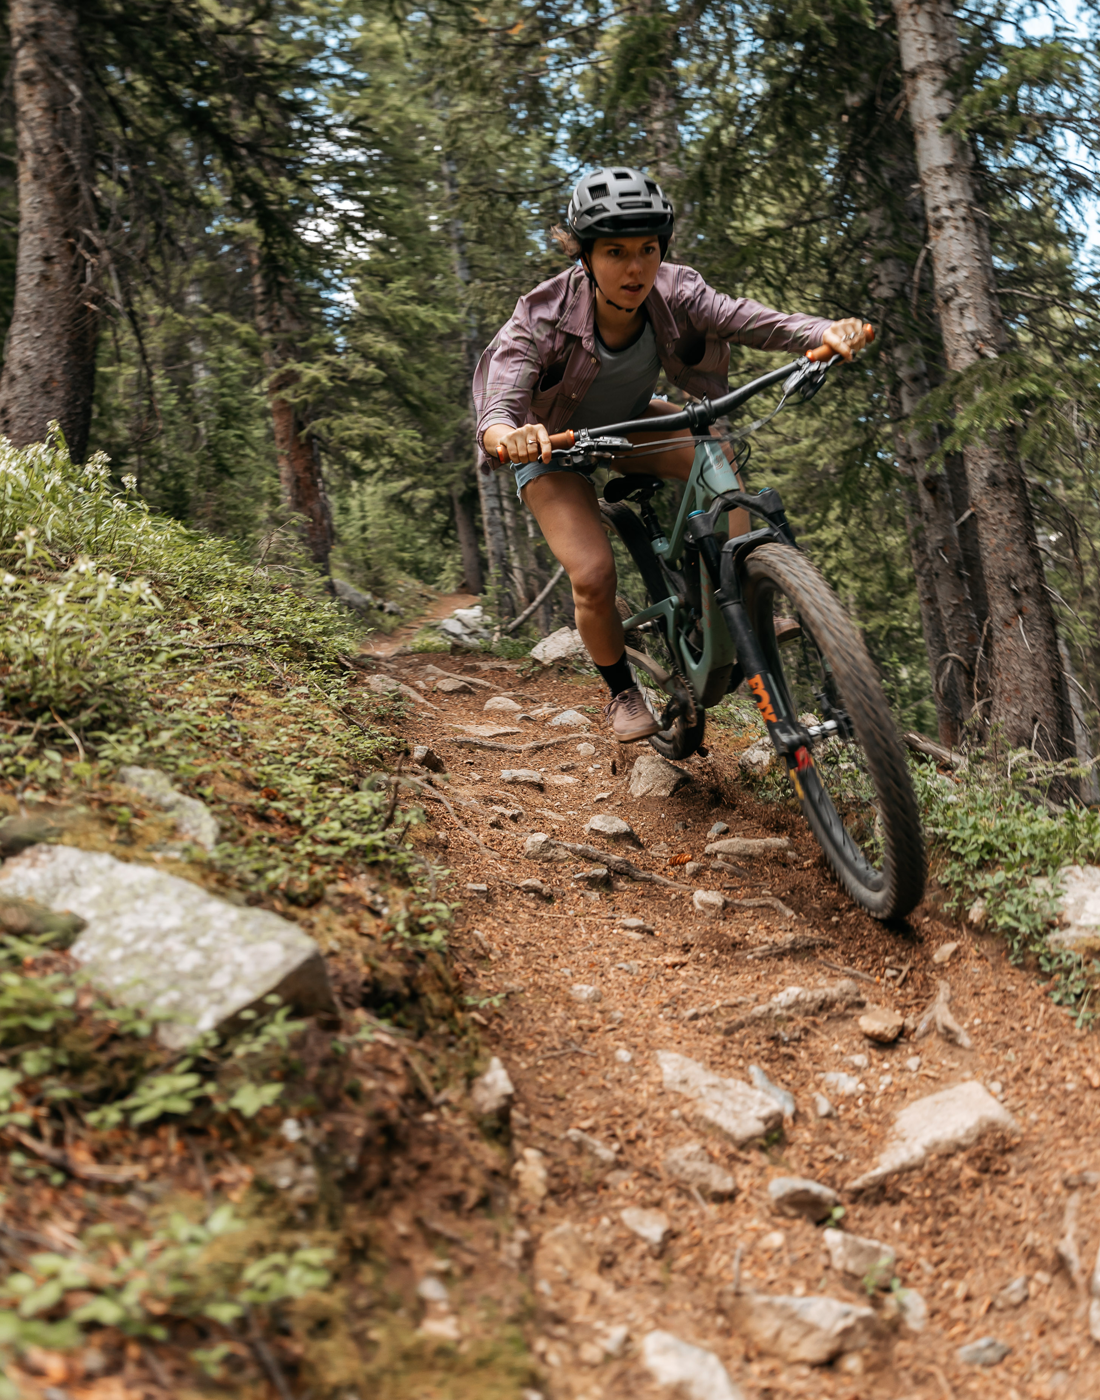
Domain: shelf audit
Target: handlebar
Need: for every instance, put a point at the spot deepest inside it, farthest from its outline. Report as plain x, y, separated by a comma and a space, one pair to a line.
698, 417
824, 353
558, 442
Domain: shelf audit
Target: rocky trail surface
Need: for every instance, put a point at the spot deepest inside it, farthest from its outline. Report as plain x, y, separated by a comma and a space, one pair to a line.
758, 1144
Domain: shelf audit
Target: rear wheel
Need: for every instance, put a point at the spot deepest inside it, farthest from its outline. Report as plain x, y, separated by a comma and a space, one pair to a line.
666, 693
856, 793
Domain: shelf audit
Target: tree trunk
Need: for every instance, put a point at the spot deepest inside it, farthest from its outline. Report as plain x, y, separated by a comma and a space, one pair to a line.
467, 541
298, 453
49, 359
1028, 704
492, 524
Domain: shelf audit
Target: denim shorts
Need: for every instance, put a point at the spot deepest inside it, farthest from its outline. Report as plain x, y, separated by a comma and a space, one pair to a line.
530, 470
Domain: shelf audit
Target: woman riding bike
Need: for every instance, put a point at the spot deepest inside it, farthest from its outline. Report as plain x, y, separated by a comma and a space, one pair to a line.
586, 348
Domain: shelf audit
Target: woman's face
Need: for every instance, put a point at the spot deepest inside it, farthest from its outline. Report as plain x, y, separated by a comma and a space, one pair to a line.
626, 268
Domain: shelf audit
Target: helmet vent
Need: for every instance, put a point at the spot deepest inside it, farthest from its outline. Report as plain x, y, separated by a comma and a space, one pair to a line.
598, 191
651, 188
624, 174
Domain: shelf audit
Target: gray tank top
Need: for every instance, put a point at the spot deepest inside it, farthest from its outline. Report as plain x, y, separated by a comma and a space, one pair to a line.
623, 385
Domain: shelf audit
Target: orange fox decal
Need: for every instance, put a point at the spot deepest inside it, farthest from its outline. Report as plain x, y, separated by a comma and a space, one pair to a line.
763, 699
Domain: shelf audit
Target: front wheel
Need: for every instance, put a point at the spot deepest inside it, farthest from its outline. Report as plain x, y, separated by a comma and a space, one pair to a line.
855, 793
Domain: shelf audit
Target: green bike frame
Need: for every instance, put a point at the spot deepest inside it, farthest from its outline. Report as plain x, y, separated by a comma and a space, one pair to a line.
711, 476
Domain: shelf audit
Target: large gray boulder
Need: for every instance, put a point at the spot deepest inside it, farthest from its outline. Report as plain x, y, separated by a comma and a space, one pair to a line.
164, 944
939, 1124
194, 819
563, 645
654, 776
1078, 910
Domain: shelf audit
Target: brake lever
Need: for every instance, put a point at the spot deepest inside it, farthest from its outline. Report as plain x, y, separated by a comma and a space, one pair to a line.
807, 378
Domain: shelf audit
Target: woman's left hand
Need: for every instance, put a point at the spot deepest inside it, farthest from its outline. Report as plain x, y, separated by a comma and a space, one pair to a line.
846, 337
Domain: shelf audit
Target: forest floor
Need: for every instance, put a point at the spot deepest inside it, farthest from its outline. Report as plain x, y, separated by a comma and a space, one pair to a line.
964, 1226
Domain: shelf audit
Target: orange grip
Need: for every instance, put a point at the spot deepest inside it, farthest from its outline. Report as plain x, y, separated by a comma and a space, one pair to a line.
824, 353
557, 440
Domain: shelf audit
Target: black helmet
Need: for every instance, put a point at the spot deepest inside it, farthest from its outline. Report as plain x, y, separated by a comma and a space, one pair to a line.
619, 201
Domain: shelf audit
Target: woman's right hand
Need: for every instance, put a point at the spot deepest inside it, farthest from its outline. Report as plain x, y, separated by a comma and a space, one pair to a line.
528, 443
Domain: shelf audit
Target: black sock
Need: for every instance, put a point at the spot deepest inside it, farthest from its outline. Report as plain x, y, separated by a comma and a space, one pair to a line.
617, 676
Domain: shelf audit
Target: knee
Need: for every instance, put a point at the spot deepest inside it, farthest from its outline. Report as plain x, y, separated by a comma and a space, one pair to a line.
594, 583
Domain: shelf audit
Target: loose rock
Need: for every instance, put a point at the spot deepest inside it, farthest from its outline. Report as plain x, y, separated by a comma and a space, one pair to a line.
691, 1165
502, 703
986, 1351
595, 878
841, 1083
158, 942
654, 776
1012, 1295
782, 1097
944, 953
25, 919
799, 1196
709, 903
563, 645
1078, 910
451, 685
941, 1123
755, 762
718, 829
585, 750
653, 1226
748, 846
194, 819
882, 1024
697, 1373
814, 1330
539, 846
822, 1107
613, 828
585, 993
864, 1259
909, 1306
491, 1093
570, 719
593, 1146
386, 685
730, 1106
524, 776
428, 758
530, 1175
536, 887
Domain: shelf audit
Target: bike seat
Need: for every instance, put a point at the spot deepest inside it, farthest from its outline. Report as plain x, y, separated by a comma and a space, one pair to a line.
624, 488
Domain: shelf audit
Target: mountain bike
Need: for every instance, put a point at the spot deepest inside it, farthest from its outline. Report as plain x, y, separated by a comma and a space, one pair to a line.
754, 610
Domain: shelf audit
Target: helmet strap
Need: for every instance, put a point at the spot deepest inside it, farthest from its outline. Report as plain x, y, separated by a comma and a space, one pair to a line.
592, 278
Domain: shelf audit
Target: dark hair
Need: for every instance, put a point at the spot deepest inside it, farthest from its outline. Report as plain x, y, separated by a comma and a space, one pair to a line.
568, 244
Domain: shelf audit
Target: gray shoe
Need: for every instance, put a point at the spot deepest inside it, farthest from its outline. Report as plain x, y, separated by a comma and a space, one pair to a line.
629, 717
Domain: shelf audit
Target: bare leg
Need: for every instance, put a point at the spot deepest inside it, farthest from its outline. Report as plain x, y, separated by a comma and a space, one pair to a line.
564, 504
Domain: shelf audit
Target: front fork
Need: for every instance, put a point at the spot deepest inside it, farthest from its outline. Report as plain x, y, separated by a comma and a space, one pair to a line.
791, 740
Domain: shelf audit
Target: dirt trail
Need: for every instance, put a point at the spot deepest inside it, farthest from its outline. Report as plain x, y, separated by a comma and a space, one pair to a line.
964, 1225
382, 645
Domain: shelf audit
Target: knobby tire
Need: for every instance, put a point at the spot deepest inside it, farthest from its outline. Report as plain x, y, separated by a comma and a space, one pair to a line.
895, 886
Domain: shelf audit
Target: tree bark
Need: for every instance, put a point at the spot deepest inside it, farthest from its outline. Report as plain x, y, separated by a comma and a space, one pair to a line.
301, 482
1028, 704
467, 540
49, 359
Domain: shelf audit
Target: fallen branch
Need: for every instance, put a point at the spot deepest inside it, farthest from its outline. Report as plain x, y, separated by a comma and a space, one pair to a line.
540, 598
437, 796
848, 971
798, 1001
532, 747
83, 1171
620, 866
796, 943
939, 1018
763, 902
919, 744
454, 676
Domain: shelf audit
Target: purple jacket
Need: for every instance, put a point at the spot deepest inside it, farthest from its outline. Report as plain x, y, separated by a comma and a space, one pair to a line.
543, 361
